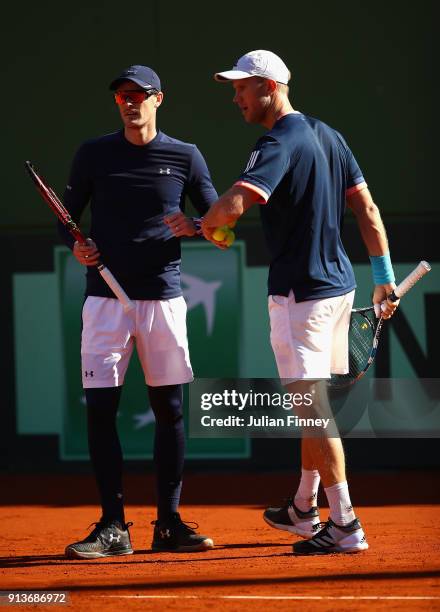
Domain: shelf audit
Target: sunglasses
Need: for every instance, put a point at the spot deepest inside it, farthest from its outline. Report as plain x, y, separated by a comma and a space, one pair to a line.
136, 97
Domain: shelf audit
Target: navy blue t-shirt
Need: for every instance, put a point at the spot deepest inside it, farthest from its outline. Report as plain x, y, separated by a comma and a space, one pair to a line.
131, 189
303, 171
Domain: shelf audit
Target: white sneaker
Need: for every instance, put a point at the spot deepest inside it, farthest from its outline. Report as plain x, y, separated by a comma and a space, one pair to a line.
289, 518
334, 538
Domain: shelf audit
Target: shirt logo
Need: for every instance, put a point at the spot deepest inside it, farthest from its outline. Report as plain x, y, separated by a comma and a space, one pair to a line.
164, 171
252, 160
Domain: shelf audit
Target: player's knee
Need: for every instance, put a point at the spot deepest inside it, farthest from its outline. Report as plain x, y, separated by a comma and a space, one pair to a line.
167, 404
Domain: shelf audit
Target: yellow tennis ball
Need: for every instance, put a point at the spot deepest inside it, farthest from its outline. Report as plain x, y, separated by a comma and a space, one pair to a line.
219, 234
230, 237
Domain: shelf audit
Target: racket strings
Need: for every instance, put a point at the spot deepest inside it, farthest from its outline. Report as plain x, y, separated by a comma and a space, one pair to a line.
54, 202
56, 205
360, 340
48, 193
360, 343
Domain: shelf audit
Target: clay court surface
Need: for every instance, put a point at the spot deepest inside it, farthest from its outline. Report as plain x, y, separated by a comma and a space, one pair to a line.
250, 568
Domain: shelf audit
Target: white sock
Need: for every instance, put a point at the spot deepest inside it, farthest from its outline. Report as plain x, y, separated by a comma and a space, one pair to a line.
307, 494
341, 510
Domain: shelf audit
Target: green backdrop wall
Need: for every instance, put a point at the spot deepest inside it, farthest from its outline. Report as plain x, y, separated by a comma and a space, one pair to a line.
367, 68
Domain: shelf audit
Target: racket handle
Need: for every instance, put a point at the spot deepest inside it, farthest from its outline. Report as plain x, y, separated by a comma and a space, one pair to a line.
408, 282
111, 281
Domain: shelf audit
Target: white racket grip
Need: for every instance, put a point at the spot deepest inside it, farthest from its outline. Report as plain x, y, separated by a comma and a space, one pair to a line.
111, 281
412, 278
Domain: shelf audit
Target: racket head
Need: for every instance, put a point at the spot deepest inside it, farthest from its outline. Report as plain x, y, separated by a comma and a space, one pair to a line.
362, 344
54, 203
48, 193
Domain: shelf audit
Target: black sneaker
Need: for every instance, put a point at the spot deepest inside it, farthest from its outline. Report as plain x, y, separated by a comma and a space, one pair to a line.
334, 538
106, 540
174, 535
289, 518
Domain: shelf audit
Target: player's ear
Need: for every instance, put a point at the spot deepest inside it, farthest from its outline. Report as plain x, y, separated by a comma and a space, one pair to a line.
159, 99
271, 86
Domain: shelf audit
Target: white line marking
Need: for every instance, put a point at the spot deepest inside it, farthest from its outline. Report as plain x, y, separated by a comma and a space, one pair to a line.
342, 597
298, 597
150, 596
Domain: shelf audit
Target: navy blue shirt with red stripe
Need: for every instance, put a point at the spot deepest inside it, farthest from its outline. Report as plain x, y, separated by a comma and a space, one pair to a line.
303, 170
131, 189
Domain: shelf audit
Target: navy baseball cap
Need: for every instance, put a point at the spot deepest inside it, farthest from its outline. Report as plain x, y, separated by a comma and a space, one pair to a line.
141, 75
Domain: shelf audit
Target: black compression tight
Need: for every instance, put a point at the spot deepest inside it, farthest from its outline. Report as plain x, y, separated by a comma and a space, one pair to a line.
105, 449
106, 454
169, 446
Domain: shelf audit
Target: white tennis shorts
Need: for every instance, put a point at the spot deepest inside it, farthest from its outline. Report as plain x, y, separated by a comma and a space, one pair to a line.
310, 339
156, 327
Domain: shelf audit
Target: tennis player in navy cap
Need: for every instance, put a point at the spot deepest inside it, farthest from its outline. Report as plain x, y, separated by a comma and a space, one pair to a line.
135, 181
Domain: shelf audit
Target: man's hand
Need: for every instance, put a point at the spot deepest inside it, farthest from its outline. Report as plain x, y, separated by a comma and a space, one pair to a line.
208, 232
381, 304
86, 254
180, 225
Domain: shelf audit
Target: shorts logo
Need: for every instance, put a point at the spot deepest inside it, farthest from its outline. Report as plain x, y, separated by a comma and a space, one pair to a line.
86, 374
164, 171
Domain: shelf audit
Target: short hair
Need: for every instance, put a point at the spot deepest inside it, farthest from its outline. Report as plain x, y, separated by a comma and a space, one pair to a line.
283, 88
280, 86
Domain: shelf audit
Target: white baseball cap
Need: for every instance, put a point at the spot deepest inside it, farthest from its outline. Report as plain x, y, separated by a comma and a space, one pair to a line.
257, 63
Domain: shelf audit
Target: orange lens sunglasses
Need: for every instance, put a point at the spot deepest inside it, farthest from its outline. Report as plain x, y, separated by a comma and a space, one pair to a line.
136, 97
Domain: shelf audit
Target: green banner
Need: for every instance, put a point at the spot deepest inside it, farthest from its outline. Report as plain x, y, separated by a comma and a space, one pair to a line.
212, 283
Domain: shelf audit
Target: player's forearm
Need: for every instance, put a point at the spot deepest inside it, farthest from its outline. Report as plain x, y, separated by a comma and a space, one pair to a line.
369, 221
374, 236
372, 230
228, 208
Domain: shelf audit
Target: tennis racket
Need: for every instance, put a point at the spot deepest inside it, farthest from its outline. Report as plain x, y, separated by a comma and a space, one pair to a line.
63, 215
364, 332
